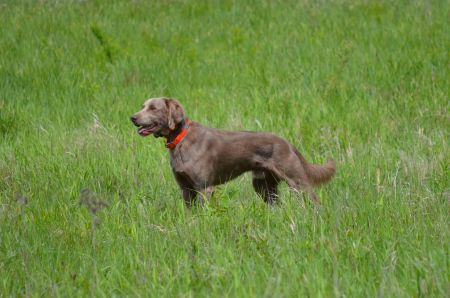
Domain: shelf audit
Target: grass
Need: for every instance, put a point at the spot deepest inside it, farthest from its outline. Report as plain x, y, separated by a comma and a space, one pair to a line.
87, 207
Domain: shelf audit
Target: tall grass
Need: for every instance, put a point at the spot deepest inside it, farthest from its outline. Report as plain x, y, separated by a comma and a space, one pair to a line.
364, 82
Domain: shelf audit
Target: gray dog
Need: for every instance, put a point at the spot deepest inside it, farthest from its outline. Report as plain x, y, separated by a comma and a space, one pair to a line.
203, 157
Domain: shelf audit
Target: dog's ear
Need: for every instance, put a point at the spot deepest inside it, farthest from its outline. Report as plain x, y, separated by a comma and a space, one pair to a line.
175, 113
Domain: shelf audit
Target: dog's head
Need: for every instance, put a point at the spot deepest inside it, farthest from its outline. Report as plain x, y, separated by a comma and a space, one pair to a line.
158, 116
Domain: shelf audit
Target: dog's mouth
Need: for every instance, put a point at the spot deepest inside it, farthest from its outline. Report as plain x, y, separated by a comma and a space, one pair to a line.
147, 130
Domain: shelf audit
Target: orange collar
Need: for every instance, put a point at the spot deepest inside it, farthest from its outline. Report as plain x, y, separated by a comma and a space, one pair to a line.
179, 137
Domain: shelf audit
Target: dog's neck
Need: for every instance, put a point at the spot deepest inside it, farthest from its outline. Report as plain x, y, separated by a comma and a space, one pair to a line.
177, 134
176, 131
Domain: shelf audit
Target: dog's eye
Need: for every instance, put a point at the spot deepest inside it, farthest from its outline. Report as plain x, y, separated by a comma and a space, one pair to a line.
152, 108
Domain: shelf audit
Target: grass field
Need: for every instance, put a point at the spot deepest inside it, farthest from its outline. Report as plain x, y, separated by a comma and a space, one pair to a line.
364, 82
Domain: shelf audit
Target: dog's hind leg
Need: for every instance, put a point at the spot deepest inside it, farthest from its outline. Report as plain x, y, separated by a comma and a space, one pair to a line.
266, 185
304, 187
295, 176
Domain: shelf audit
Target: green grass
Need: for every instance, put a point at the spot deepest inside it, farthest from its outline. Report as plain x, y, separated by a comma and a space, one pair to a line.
366, 83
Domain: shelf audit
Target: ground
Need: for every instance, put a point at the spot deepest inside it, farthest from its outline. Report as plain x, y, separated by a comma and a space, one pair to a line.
88, 207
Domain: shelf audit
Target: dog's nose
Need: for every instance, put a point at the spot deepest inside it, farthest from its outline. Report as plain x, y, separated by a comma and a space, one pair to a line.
133, 119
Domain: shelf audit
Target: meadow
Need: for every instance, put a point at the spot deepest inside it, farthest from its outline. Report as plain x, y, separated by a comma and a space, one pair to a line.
90, 208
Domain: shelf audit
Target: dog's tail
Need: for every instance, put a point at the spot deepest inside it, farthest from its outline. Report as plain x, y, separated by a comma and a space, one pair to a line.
318, 174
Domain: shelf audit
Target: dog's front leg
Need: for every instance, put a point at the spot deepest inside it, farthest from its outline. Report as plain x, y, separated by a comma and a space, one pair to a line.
188, 196
188, 192
206, 194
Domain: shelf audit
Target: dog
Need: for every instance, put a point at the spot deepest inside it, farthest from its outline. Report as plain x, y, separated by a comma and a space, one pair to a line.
203, 157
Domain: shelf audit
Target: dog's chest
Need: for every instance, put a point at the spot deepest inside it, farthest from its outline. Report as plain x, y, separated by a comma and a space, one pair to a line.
179, 160
187, 163
176, 162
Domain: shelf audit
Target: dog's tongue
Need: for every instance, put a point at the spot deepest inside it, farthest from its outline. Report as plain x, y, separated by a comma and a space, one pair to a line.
144, 131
